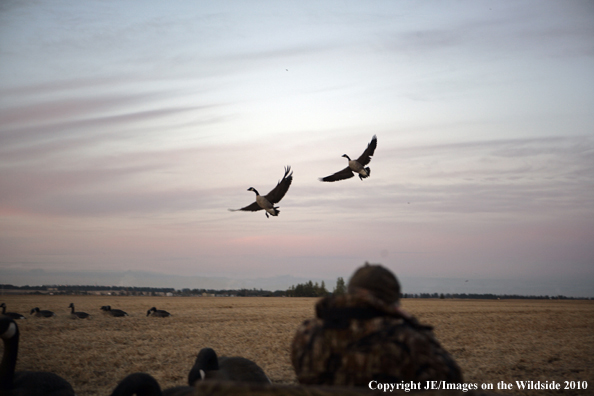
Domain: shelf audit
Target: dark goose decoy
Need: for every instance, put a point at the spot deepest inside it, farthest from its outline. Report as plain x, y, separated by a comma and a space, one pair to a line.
142, 384
13, 315
42, 313
26, 383
267, 202
158, 313
210, 367
77, 315
357, 166
118, 313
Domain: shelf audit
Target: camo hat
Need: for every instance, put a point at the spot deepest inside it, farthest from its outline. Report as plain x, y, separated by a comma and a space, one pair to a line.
378, 280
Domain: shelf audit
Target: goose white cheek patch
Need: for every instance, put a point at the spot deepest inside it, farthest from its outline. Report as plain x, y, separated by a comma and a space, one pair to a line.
10, 332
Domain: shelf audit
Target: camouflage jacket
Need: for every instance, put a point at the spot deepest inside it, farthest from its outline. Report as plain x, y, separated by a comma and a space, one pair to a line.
357, 338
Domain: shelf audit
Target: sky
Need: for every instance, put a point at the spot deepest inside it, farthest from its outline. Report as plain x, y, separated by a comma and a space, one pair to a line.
128, 129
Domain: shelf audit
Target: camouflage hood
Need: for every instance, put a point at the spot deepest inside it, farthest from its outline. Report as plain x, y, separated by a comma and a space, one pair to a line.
338, 311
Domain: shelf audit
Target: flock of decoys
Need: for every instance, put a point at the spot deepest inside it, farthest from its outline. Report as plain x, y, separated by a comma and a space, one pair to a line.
118, 313
207, 366
355, 166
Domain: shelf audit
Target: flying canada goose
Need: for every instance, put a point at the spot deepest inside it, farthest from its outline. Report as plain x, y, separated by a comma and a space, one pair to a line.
42, 313
13, 315
357, 166
158, 313
25, 382
267, 202
77, 315
118, 313
210, 367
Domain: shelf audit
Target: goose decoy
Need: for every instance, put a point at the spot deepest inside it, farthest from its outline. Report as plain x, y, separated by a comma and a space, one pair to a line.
267, 202
25, 382
118, 313
357, 166
42, 313
159, 313
142, 384
77, 315
13, 315
210, 367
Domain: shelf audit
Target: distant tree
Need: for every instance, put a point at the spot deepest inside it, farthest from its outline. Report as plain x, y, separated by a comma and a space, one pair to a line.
308, 289
322, 290
340, 288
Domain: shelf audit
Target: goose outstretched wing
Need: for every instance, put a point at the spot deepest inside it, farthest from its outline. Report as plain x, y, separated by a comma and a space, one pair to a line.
250, 208
346, 173
281, 188
368, 153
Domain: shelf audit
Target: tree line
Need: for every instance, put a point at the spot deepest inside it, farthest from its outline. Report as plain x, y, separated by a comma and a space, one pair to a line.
307, 289
67, 288
310, 289
490, 296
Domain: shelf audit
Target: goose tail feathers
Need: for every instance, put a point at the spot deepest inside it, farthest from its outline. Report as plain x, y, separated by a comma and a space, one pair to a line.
272, 211
368, 171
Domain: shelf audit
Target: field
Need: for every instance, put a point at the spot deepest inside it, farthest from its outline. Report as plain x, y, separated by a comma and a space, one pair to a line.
493, 341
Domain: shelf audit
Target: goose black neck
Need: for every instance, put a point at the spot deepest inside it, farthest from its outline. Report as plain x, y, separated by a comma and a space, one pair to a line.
9, 358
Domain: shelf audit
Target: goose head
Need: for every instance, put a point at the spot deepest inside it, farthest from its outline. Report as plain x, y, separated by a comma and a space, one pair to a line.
206, 360
254, 190
346, 156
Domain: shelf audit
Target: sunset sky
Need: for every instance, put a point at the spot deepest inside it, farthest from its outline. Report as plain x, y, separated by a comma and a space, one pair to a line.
128, 129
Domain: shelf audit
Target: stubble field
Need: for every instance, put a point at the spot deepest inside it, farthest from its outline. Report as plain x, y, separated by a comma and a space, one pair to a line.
493, 341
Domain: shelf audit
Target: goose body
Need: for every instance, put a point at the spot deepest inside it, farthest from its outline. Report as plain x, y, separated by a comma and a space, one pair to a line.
25, 383
208, 366
118, 313
142, 384
13, 315
42, 313
77, 315
356, 166
159, 313
274, 196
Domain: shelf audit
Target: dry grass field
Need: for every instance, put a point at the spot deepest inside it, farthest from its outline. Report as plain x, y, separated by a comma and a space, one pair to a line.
504, 340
